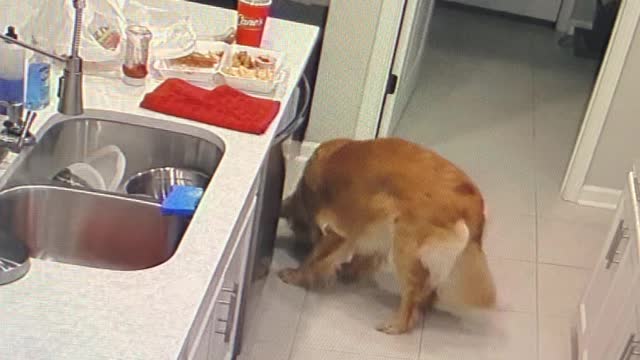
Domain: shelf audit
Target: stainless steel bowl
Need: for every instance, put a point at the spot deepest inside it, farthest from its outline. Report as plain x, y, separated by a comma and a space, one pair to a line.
157, 183
14, 259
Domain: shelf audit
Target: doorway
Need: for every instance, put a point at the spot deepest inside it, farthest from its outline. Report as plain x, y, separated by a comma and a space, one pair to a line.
504, 98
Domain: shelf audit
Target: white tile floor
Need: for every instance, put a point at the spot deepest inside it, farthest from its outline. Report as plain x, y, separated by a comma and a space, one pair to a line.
502, 100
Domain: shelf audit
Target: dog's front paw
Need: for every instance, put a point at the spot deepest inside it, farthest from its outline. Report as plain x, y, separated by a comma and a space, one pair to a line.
290, 276
392, 328
306, 279
397, 325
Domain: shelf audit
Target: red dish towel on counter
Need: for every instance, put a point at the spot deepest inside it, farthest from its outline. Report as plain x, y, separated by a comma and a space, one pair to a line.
223, 106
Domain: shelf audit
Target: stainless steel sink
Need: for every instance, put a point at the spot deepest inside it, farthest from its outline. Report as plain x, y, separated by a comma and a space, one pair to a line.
96, 230
92, 228
144, 148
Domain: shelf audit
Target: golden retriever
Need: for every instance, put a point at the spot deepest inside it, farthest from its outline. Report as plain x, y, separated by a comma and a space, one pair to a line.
366, 203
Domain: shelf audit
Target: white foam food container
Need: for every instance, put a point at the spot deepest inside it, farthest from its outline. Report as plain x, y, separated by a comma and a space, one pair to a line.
249, 84
168, 69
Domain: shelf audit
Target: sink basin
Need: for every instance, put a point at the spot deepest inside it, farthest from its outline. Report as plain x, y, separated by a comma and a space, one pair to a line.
96, 230
100, 229
144, 148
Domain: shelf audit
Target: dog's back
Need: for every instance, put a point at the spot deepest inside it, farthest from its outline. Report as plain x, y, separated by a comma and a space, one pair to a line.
362, 177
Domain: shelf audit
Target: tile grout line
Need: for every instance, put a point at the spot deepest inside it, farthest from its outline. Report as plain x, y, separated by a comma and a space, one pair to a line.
295, 331
423, 323
355, 353
565, 266
535, 189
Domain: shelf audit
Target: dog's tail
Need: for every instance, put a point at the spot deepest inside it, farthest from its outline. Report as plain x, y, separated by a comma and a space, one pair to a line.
469, 291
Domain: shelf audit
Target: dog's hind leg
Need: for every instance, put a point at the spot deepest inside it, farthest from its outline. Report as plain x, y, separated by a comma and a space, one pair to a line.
420, 267
414, 285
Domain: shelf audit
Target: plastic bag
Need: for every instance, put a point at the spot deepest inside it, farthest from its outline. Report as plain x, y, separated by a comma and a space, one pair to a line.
173, 34
102, 35
104, 24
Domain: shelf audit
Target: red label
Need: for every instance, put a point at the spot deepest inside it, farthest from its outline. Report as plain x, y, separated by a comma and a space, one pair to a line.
251, 21
244, 21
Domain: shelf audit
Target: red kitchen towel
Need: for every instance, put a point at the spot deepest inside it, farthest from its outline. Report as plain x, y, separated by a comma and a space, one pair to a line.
223, 106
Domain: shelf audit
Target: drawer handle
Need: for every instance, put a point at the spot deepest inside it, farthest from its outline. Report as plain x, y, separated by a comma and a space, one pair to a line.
631, 348
622, 232
231, 304
232, 290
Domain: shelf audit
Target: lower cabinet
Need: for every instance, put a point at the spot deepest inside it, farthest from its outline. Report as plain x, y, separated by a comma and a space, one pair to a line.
217, 336
625, 340
607, 321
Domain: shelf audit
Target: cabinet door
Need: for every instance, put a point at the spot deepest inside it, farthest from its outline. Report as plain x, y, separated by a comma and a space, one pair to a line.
215, 341
625, 340
600, 311
202, 347
407, 62
604, 273
227, 303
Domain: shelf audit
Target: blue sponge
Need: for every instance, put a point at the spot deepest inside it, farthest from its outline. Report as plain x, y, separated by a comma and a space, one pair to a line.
182, 200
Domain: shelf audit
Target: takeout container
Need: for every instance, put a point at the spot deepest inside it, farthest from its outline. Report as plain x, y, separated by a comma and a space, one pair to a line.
253, 85
168, 69
216, 75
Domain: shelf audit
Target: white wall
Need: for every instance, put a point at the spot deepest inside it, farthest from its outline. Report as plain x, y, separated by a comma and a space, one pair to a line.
16, 13
348, 42
618, 146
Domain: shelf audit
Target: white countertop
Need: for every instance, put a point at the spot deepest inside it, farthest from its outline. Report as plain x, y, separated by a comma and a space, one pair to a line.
62, 311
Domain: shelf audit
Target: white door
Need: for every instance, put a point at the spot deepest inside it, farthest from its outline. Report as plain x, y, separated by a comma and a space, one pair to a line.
410, 51
539, 9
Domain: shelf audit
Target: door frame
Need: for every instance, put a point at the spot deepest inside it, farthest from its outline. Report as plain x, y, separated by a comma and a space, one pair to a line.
380, 61
573, 185
399, 61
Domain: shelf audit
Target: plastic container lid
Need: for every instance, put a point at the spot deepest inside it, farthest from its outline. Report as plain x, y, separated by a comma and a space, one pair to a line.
110, 163
89, 174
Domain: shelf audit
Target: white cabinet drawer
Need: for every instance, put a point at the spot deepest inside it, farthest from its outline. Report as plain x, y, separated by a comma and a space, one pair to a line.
216, 338
618, 259
612, 280
624, 342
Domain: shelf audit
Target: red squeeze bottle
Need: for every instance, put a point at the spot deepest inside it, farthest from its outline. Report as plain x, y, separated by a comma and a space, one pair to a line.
252, 17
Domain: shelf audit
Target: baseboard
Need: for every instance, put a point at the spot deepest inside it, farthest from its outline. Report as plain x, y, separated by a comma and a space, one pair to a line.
291, 148
298, 151
306, 150
582, 24
597, 196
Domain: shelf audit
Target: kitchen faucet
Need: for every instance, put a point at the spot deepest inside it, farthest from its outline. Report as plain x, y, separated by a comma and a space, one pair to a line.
70, 84
16, 135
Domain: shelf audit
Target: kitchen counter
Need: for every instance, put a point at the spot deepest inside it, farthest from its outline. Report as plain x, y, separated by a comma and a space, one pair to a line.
62, 311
